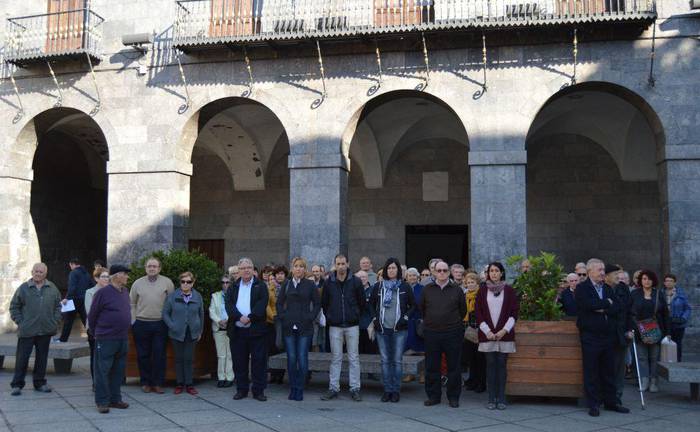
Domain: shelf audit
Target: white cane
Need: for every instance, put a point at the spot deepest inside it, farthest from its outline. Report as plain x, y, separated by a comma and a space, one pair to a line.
639, 378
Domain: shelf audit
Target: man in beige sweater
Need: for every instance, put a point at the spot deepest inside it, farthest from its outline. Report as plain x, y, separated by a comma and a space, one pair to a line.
150, 332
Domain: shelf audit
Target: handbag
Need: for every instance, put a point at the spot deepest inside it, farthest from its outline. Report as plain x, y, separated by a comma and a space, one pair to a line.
649, 330
471, 334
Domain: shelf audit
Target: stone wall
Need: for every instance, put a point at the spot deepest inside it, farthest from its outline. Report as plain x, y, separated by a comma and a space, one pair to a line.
578, 207
378, 217
252, 223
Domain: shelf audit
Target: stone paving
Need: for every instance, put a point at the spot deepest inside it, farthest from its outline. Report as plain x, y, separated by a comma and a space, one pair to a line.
71, 408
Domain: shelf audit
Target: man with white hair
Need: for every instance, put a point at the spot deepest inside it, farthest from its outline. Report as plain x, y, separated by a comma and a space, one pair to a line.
566, 298
35, 308
581, 272
246, 305
597, 307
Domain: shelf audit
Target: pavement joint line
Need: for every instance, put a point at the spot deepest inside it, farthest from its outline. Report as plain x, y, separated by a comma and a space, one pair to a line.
154, 411
238, 414
4, 419
76, 410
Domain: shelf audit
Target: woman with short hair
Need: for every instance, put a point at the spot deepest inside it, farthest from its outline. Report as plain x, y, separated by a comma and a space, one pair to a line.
219, 325
298, 305
183, 313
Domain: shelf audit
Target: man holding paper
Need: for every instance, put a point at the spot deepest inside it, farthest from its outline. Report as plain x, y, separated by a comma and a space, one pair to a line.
79, 281
35, 308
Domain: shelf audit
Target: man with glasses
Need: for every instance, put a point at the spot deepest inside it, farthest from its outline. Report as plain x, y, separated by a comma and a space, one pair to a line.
581, 272
443, 305
147, 297
246, 304
219, 325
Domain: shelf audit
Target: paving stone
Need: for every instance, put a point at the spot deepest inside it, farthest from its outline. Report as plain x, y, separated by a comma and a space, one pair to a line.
203, 417
42, 416
132, 423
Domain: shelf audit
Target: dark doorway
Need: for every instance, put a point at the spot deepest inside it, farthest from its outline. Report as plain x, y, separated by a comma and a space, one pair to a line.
213, 249
449, 242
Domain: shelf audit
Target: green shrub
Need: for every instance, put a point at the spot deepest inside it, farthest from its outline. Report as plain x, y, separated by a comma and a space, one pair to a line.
538, 287
177, 261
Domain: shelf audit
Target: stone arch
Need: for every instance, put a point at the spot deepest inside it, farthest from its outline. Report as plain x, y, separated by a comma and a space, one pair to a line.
361, 142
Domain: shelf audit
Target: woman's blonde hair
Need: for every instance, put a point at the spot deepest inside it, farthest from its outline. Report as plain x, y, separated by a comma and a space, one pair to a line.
299, 259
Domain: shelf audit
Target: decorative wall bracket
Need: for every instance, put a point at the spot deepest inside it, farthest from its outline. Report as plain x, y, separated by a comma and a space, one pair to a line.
98, 103
248, 92
484, 59
380, 80
59, 98
426, 61
184, 107
651, 80
575, 52
317, 103
20, 110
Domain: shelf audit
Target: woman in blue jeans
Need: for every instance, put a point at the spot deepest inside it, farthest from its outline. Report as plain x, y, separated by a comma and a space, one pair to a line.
392, 302
298, 304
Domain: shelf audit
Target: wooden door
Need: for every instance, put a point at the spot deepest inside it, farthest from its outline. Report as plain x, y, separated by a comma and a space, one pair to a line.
389, 13
233, 18
213, 249
64, 25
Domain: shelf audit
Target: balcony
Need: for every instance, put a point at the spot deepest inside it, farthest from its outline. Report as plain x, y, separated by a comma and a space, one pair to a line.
58, 35
202, 23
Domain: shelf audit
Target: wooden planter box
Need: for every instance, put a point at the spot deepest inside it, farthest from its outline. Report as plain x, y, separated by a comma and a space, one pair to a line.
548, 360
204, 357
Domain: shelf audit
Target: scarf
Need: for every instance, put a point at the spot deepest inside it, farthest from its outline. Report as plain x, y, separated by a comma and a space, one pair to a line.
390, 288
495, 287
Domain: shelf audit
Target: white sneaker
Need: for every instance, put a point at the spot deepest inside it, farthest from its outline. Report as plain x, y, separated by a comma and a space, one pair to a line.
653, 387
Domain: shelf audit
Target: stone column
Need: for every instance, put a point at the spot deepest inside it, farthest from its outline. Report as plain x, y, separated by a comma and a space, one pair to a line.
679, 183
19, 245
318, 192
498, 224
147, 211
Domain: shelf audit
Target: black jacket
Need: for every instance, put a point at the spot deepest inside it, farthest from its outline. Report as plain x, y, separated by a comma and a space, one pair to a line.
406, 303
342, 302
568, 302
79, 281
596, 316
624, 318
641, 309
298, 306
258, 304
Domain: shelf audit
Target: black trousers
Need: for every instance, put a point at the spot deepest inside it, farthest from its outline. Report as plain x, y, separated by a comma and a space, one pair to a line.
247, 348
437, 343
477, 364
677, 336
184, 359
25, 345
69, 317
367, 346
272, 348
598, 369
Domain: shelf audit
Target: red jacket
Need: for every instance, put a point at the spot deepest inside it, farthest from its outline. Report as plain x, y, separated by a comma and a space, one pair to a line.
510, 309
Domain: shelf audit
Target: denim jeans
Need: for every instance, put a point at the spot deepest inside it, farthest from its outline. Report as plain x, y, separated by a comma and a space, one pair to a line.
297, 347
351, 336
391, 345
150, 339
110, 363
496, 376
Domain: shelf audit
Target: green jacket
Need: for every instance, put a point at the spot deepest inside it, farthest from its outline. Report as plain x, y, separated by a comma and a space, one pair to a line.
36, 311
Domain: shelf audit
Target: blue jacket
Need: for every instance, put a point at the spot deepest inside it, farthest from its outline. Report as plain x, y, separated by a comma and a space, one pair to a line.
680, 309
179, 315
79, 281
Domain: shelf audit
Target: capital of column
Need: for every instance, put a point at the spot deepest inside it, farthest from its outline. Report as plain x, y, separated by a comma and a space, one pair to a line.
318, 160
498, 157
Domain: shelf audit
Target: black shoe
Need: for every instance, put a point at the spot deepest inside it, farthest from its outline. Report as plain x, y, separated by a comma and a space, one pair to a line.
594, 412
16, 391
240, 395
228, 384
469, 385
395, 397
386, 397
480, 389
300, 395
454, 403
43, 389
431, 402
220, 384
260, 396
330, 394
617, 408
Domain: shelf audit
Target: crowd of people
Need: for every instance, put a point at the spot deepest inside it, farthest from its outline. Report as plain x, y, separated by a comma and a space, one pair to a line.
460, 320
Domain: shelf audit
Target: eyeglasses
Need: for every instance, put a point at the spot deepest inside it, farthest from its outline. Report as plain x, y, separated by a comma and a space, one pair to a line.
188, 282
225, 282
581, 274
442, 270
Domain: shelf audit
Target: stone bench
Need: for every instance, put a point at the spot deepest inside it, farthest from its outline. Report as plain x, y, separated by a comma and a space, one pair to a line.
61, 353
682, 373
369, 363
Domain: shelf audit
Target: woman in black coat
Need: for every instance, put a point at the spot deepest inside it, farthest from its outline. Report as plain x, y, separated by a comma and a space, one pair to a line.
298, 305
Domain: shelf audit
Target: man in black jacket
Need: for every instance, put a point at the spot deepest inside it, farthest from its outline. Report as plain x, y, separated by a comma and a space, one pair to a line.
598, 307
624, 326
343, 302
246, 302
79, 281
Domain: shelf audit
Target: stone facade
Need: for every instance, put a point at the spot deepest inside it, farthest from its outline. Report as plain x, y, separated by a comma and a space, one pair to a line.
157, 198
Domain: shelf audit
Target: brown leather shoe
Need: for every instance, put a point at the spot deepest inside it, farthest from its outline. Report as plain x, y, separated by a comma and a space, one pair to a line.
408, 378
146, 388
102, 409
157, 389
119, 405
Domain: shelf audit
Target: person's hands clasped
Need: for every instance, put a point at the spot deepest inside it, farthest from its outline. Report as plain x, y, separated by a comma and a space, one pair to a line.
244, 320
490, 336
499, 334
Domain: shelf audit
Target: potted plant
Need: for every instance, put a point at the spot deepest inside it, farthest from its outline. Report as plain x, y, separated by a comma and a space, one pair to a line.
208, 274
548, 359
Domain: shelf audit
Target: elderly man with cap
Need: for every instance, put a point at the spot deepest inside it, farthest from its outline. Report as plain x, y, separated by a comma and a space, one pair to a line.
110, 319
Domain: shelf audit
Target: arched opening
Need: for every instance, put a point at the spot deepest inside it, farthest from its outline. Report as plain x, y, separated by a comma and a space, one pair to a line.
592, 179
409, 181
239, 192
69, 190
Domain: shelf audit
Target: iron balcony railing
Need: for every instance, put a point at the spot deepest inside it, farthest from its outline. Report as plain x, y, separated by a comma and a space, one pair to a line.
205, 22
42, 37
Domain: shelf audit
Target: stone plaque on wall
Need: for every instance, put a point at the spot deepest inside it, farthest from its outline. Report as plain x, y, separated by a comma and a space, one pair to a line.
435, 186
